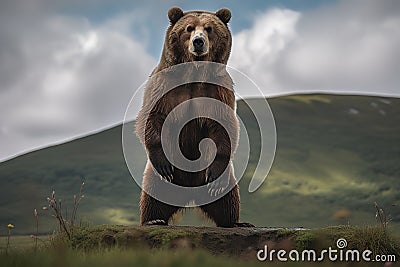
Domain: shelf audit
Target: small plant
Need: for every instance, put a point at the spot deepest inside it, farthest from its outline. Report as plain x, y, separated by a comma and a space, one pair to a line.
381, 218
77, 200
35, 213
56, 205
10, 227
35, 237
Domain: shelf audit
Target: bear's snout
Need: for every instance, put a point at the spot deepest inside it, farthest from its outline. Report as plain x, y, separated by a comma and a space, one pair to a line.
198, 44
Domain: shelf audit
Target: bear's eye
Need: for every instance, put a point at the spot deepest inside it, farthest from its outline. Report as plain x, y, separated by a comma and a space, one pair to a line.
208, 29
189, 28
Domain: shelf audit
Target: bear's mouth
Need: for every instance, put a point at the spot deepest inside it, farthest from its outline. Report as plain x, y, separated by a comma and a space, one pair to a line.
198, 53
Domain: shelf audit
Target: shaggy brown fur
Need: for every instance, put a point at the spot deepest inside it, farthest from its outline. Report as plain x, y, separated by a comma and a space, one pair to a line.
178, 48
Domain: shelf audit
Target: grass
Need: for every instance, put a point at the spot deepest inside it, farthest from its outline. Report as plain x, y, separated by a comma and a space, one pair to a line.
20, 242
122, 258
375, 239
165, 236
87, 246
128, 258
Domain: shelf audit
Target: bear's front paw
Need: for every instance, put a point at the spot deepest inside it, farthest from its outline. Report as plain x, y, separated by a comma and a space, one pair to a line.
215, 185
163, 167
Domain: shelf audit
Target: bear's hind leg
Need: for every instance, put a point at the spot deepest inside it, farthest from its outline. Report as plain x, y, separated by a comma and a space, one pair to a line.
224, 211
154, 212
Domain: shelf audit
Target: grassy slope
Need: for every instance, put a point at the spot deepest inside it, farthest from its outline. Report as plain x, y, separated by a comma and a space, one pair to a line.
327, 160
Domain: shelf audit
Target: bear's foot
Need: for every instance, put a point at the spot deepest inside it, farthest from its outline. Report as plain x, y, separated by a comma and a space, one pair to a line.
155, 222
243, 224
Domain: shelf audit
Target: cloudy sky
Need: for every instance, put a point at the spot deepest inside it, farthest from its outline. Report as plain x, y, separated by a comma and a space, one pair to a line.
69, 67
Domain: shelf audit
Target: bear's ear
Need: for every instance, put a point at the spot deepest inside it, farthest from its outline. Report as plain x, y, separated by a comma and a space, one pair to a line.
224, 14
174, 14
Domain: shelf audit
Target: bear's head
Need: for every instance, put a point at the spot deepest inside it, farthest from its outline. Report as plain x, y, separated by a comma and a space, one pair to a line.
197, 35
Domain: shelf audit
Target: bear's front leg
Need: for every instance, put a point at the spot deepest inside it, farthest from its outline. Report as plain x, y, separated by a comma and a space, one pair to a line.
225, 138
217, 176
161, 164
153, 145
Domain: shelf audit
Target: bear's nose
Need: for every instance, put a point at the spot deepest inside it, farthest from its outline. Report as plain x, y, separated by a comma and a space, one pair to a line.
198, 43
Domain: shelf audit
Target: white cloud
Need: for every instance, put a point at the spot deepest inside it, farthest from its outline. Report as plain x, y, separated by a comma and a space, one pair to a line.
257, 49
348, 47
62, 76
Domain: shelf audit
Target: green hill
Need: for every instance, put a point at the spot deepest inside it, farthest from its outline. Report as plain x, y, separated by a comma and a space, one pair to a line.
336, 155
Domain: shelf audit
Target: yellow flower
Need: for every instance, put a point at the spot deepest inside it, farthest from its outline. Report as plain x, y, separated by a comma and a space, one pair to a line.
10, 226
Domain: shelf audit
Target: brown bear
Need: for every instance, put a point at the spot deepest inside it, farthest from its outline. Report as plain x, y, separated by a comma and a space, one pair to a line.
194, 36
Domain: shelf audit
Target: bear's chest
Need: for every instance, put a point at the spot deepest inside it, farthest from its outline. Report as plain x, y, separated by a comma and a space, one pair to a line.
184, 98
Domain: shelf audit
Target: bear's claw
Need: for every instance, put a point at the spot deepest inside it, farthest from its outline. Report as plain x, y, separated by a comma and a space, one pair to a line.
216, 184
164, 168
155, 222
216, 187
